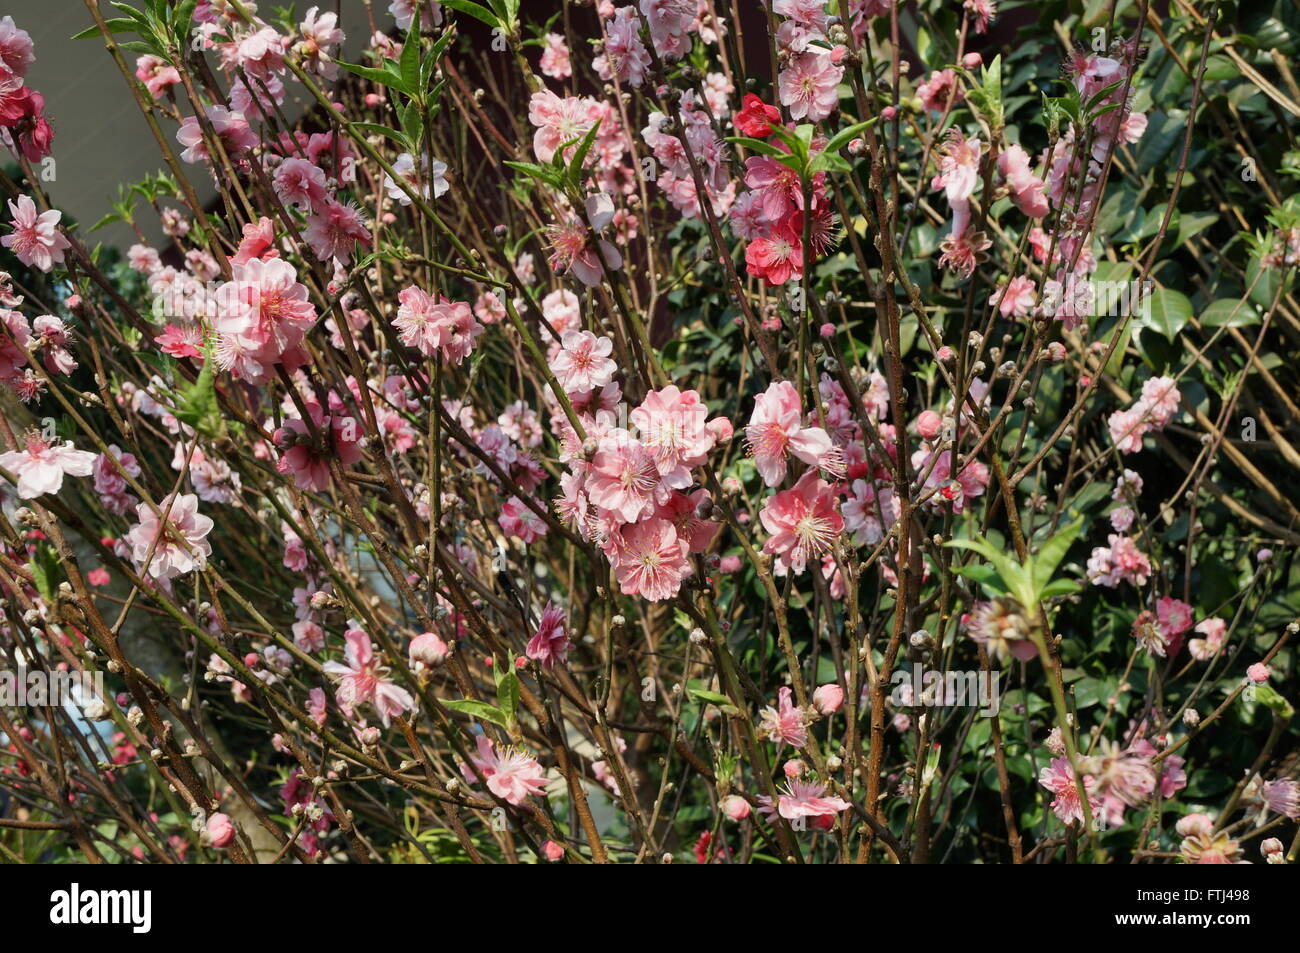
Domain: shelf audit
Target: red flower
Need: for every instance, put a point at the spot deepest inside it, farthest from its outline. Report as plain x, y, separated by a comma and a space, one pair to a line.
756, 117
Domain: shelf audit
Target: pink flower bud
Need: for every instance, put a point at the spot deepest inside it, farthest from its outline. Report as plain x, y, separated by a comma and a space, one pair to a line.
929, 424
372, 99
1258, 673
427, 649
552, 850
794, 768
220, 830
827, 330
735, 807
828, 698
889, 112
972, 61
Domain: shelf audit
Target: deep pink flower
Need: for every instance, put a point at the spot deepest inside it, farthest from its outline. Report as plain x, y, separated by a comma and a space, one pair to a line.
803, 522
550, 644
651, 560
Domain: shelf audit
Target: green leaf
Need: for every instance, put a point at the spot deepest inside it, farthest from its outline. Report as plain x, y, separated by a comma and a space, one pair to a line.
1051, 553
845, 136
1229, 313
761, 146
1166, 312
481, 711
410, 62
198, 405
508, 689
477, 11
384, 77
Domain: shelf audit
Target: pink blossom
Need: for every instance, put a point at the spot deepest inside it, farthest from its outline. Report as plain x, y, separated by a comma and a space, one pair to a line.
651, 560
624, 478
178, 543
555, 57
220, 830
1025, 188
1059, 779
776, 430
510, 773
786, 724
803, 521
583, 362
436, 326
550, 644
519, 521
803, 799
808, 86
307, 461
362, 678
828, 698
41, 465
156, 74
427, 650
35, 239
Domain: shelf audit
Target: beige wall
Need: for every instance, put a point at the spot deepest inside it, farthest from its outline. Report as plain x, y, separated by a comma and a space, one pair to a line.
100, 138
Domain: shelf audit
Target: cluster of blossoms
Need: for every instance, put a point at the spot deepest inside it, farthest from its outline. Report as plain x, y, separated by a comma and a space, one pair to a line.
399, 459
23, 126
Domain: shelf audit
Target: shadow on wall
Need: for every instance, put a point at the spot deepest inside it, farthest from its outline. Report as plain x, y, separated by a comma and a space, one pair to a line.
100, 139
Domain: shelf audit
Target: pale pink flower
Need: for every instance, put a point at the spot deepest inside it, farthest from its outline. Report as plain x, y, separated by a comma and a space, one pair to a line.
803, 799
156, 74
179, 543
334, 231
787, 723
1025, 188
16, 48
362, 678
35, 239
236, 136
936, 91
672, 426
624, 478
808, 86
560, 122
1214, 630
555, 57
518, 520
510, 773
583, 362
803, 521
301, 183
828, 698
266, 314
427, 650
624, 54
1017, 299
436, 326
1059, 779
776, 430
1121, 561
735, 807
306, 459
41, 465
